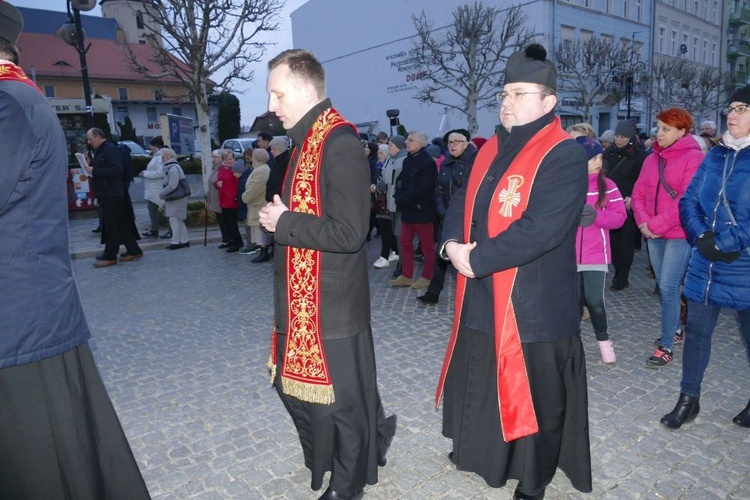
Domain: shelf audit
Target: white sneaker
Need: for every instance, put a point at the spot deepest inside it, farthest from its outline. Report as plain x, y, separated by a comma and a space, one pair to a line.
393, 257
381, 263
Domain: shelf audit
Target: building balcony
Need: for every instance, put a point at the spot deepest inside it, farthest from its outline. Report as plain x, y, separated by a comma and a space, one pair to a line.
738, 48
737, 79
740, 17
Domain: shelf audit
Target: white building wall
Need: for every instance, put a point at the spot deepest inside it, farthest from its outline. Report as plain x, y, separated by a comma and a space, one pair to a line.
366, 54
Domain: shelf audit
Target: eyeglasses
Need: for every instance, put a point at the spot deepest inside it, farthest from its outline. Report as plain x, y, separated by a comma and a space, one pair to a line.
739, 109
515, 95
456, 142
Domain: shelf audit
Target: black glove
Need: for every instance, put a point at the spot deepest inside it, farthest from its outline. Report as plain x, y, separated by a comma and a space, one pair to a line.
706, 244
588, 216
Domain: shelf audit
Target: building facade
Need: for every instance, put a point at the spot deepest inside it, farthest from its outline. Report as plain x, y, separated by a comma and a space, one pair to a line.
370, 70
118, 92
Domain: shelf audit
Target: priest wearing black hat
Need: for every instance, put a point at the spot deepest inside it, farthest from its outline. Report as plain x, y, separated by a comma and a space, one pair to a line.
514, 368
59, 434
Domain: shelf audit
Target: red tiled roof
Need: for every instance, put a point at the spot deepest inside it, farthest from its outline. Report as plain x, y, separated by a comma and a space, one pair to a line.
106, 59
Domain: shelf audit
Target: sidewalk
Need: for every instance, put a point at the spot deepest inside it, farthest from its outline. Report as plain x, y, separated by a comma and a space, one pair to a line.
85, 245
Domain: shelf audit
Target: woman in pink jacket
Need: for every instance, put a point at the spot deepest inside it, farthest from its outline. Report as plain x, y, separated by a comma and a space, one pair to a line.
665, 175
604, 210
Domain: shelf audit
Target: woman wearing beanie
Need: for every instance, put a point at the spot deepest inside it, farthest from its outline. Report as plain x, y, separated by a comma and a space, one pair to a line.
622, 161
604, 210
387, 220
715, 212
665, 176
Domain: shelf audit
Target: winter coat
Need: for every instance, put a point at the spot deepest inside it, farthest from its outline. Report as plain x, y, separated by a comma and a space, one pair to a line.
623, 165
152, 179
241, 207
415, 188
106, 177
228, 189
702, 209
454, 172
388, 175
650, 202
592, 242
172, 175
212, 196
254, 194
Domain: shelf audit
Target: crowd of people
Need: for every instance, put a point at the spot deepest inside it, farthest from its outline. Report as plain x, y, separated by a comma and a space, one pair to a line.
530, 219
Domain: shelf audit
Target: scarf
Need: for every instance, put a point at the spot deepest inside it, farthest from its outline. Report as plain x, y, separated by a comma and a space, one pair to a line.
510, 199
9, 71
733, 143
304, 372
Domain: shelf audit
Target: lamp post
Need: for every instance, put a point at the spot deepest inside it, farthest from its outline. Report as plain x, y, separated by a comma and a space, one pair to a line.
72, 34
634, 70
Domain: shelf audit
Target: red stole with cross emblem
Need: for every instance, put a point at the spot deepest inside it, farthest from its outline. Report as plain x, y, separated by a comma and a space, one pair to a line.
304, 372
9, 71
509, 201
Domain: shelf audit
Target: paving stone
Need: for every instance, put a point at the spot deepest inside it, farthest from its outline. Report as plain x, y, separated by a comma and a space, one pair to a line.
183, 357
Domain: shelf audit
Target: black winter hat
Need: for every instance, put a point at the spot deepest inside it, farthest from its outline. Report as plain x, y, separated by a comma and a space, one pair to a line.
625, 128
741, 95
11, 22
531, 66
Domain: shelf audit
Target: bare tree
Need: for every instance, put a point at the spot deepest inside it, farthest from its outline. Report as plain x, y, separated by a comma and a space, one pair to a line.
679, 82
194, 40
591, 71
463, 62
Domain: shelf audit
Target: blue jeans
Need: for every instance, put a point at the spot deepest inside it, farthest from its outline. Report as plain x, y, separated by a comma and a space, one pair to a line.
669, 258
700, 326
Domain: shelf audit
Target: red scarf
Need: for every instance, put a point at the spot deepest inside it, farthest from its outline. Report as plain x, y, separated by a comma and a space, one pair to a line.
304, 372
510, 199
9, 71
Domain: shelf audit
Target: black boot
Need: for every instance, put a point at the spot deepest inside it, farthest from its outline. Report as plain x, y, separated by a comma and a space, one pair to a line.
743, 418
686, 410
262, 256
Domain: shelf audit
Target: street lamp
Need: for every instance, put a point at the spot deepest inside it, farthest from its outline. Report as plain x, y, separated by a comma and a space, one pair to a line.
634, 70
72, 34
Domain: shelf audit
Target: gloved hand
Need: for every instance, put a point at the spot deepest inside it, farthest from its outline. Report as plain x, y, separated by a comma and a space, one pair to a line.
588, 215
706, 244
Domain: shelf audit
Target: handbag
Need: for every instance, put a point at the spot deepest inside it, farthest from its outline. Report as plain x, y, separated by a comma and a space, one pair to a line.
181, 191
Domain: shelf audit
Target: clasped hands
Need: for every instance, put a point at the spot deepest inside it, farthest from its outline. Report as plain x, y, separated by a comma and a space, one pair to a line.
269, 215
458, 253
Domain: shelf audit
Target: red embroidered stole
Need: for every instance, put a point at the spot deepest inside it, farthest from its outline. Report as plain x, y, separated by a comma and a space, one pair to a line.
510, 199
9, 71
304, 372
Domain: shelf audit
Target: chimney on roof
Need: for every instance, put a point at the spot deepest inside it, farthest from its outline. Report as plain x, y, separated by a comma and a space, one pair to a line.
120, 36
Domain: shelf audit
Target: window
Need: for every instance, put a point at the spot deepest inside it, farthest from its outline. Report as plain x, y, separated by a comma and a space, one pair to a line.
567, 33
638, 10
674, 43
662, 34
586, 35
122, 94
122, 113
625, 8
151, 115
695, 48
705, 51
716, 12
713, 53
139, 20
177, 111
157, 95
49, 91
696, 8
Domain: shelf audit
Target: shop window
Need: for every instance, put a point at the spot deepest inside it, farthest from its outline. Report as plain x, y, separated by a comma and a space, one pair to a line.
49, 91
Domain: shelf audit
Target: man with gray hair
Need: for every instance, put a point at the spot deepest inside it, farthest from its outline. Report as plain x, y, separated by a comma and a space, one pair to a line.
280, 153
59, 434
708, 127
415, 199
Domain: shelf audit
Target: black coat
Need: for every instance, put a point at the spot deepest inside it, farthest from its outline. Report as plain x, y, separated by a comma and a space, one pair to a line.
107, 175
623, 165
276, 176
339, 234
415, 188
541, 244
454, 172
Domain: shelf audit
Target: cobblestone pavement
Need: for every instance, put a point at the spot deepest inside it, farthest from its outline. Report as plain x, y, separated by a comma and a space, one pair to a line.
181, 339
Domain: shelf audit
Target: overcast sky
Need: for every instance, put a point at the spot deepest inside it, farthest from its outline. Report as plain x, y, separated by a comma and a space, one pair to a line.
253, 100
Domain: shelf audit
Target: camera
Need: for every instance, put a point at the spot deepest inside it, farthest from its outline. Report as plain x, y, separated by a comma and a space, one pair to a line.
392, 113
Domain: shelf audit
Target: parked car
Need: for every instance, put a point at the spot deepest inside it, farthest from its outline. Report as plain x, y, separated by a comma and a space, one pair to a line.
239, 145
136, 150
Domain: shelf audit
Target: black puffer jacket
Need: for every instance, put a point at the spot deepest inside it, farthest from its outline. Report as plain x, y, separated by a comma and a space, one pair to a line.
623, 165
